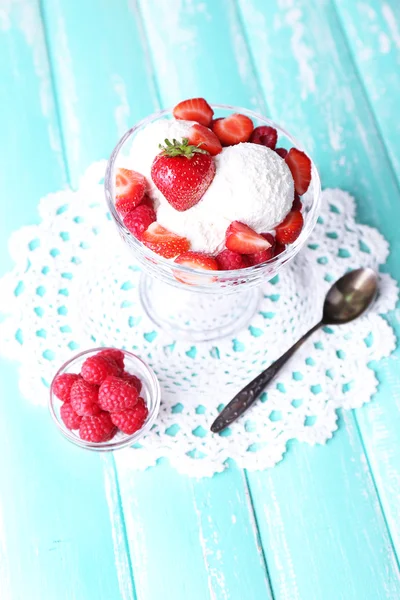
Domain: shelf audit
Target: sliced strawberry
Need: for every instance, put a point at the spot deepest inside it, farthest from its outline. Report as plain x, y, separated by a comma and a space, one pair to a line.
205, 139
300, 168
297, 205
281, 151
233, 129
228, 260
197, 260
241, 238
265, 136
194, 109
129, 190
211, 125
164, 242
289, 230
139, 219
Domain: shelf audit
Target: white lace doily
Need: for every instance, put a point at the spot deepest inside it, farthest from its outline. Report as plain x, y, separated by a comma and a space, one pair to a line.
74, 286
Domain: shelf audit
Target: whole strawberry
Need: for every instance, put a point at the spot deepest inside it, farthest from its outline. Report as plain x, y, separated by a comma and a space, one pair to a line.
182, 172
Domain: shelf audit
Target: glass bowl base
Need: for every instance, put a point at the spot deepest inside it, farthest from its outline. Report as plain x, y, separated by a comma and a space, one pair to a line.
192, 315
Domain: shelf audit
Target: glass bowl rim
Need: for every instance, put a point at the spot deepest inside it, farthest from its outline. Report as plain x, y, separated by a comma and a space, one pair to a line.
128, 439
290, 251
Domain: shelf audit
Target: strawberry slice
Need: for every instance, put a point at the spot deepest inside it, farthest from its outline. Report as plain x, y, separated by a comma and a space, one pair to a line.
129, 190
197, 260
205, 139
300, 168
289, 230
195, 109
164, 242
241, 238
233, 129
265, 136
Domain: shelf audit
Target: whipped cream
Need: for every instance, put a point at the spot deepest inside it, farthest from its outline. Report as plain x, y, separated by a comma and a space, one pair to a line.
252, 184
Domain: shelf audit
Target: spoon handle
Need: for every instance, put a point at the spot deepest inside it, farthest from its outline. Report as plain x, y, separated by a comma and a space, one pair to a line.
249, 394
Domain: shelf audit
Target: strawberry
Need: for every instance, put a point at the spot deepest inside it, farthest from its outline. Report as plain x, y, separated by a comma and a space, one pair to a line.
241, 238
129, 190
164, 242
197, 260
233, 129
228, 260
289, 230
182, 172
139, 219
297, 205
300, 168
202, 137
281, 151
265, 136
195, 109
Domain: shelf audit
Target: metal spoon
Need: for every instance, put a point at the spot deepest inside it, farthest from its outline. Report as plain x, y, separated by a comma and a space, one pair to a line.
347, 299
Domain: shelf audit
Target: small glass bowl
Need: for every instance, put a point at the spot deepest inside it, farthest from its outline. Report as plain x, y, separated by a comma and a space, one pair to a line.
150, 392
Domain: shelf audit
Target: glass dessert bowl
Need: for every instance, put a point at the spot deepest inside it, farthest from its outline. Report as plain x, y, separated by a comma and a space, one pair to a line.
196, 304
86, 404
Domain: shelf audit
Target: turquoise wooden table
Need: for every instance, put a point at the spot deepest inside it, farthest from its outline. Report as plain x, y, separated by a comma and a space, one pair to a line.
323, 524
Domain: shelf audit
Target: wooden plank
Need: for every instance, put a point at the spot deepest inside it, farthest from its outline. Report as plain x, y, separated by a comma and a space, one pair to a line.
102, 77
55, 530
311, 85
195, 534
373, 35
173, 519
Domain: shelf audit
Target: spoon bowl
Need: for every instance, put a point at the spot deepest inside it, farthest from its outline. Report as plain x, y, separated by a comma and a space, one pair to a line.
350, 296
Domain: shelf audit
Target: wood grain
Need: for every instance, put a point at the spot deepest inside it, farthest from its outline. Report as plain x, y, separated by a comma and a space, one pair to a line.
324, 523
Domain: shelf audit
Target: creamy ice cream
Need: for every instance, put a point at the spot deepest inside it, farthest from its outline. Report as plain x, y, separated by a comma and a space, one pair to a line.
252, 184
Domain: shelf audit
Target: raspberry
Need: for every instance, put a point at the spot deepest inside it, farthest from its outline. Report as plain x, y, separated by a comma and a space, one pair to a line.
62, 385
116, 394
97, 428
96, 369
261, 257
228, 260
132, 419
84, 398
297, 204
133, 380
69, 416
139, 219
113, 353
281, 151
